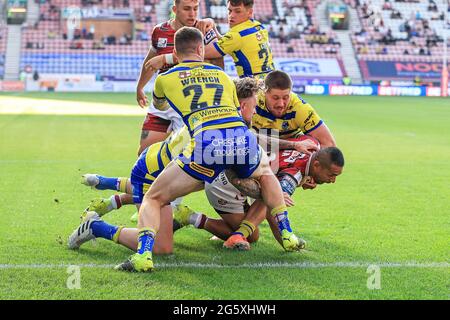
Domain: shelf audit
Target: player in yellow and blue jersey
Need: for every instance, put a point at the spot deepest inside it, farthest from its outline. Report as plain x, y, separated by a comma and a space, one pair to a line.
205, 97
149, 165
282, 112
247, 42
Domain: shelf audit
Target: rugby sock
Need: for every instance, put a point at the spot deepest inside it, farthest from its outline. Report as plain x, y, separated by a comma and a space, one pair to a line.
101, 229
116, 203
122, 184
198, 220
246, 228
146, 239
106, 183
281, 216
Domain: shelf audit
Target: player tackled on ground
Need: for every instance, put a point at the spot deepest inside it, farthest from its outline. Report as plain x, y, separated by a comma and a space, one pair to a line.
150, 164
227, 193
220, 140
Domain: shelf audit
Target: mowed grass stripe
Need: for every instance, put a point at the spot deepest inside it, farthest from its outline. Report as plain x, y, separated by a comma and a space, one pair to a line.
265, 265
389, 209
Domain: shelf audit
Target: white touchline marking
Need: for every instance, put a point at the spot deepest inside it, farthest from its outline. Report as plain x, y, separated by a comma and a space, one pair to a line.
19, 105
299, 265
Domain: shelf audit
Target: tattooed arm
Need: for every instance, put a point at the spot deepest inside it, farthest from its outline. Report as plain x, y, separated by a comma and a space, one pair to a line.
273, 143
249, 187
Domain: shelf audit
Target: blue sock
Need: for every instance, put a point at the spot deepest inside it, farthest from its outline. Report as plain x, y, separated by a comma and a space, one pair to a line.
283, 221
100, 229
106, 183
146, 240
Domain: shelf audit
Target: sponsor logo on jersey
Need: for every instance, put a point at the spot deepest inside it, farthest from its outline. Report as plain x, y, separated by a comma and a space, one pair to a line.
194, 119
285, 125
184, 74
222, 202
162, 42
308, 121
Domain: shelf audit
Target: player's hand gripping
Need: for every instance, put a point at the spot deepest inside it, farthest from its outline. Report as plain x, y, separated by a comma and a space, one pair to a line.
305, 146
205, 25
309, 184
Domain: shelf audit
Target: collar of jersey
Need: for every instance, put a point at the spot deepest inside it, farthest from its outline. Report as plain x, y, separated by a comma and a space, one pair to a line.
308, 164
267, 114
241, 24
190, 61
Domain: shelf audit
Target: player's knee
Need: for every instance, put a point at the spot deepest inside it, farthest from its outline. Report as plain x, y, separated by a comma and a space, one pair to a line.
155, 197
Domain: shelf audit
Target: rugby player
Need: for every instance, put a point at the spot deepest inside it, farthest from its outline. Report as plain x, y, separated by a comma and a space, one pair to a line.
220, 140
227, 193
149, 165
156, 124
247, 42
281, 111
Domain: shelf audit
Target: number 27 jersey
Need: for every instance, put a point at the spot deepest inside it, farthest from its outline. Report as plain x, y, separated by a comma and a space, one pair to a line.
202, 94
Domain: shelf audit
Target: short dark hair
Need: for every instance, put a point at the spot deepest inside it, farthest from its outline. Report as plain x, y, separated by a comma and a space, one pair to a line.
246, 3
278, 80
330, 155
187, 39
246, 87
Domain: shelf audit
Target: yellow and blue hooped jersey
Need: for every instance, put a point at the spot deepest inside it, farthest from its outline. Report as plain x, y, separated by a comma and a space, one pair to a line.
154, 159
202, 94
299, 118
248, 44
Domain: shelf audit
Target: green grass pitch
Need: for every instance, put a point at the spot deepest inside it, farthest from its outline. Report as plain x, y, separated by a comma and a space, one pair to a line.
389, 208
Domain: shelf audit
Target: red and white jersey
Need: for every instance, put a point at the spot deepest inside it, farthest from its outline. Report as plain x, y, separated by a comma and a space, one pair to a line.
224, 197
295, 163
163, 40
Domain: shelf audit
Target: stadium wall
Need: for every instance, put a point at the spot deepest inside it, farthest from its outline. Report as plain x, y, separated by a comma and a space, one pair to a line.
371, 90
304, 72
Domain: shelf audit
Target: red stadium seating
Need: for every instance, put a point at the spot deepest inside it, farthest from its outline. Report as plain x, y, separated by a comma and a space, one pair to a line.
292, 25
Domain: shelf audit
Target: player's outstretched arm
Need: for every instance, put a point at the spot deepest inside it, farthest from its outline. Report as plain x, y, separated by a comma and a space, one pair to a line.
144, 78
211, 51
158, 62
324, 136
251, 187
305, 146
